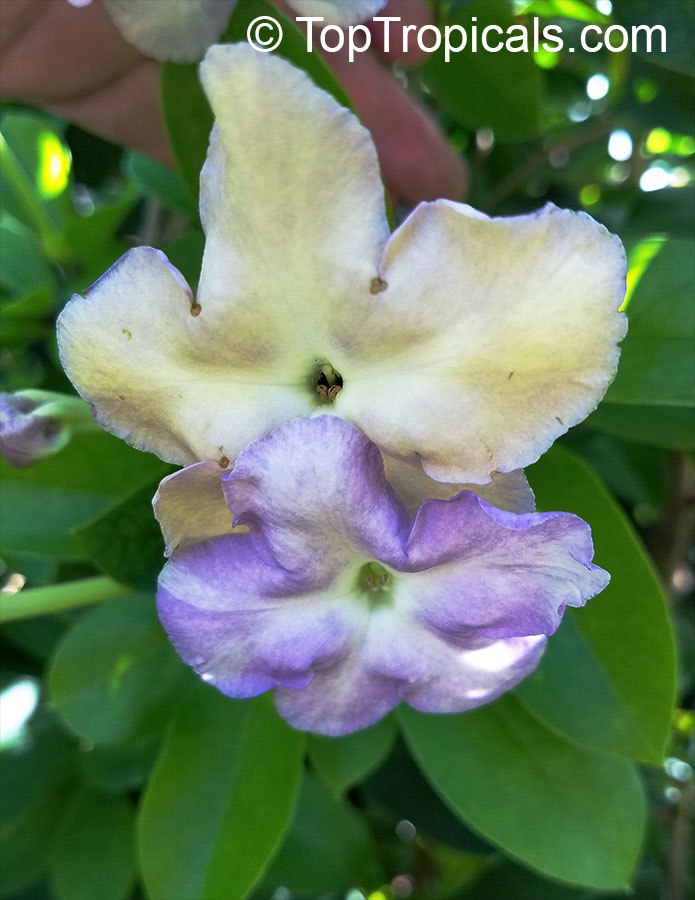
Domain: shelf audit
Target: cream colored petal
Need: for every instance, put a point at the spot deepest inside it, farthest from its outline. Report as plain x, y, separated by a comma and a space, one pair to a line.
190, 507
292, 205
160, 376
490, 339
177, 30
413, 486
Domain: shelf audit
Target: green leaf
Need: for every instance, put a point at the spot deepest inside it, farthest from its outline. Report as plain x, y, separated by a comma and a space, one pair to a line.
186, 253
23, 265
221, 798
36, 143
186, 110
399, 787
114, 675
569, 813
344, 762
620, 646
34, 780
92, 238
669, 427
94, 850
506, 881
116, 768
126, 542
42, 504
328, 830
500, 90
677, 18
638, 475
576, 10
657, 364
159, 182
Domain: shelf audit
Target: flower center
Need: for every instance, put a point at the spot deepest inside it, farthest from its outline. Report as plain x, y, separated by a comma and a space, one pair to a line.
375, 581
328, 383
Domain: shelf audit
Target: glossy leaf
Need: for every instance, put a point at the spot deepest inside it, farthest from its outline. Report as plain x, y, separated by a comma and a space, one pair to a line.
482, 89
159, 182
114, 675
669, 427
126, 541
677, 18
221, 798
35, 778
94, 849
328, 848
343, 762
115, 768
400, 788
569, 813
23, 265
620, 646
42, 504
657, 364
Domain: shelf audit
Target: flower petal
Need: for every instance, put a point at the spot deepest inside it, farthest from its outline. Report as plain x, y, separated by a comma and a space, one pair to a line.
508, 491
479, 570
341, 698
190, 507
158, 375
316, 491
27, 434
177, 30
339, 12
396, 658
292, 205
243, 625
513, 340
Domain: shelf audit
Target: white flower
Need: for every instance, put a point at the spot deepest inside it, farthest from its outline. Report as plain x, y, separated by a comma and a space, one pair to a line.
462, 343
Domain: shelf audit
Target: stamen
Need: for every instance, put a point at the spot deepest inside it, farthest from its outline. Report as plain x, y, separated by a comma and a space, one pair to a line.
374, 577
329, 383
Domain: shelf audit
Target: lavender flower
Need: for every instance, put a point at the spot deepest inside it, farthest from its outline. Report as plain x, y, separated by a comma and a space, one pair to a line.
344, 605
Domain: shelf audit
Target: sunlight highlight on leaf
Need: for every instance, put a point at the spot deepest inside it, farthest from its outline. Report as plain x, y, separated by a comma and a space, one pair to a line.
55, 163
638, 262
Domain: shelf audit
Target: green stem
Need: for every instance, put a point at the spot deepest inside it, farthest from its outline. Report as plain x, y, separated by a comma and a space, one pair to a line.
11, 168
59, 597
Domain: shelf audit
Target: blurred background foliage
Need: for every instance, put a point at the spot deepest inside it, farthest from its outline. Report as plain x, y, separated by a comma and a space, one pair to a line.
124, 777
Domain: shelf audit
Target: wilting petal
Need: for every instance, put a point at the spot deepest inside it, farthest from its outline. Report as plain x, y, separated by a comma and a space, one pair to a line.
316, 490
339, 12
485, 571
243, 625
158, 374
508, 491
190, 507
495, 336
177, 30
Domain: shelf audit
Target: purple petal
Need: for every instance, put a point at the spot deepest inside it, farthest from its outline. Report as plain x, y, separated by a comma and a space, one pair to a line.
26, 436
495, 573
316, 491
244, 625
397, 658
